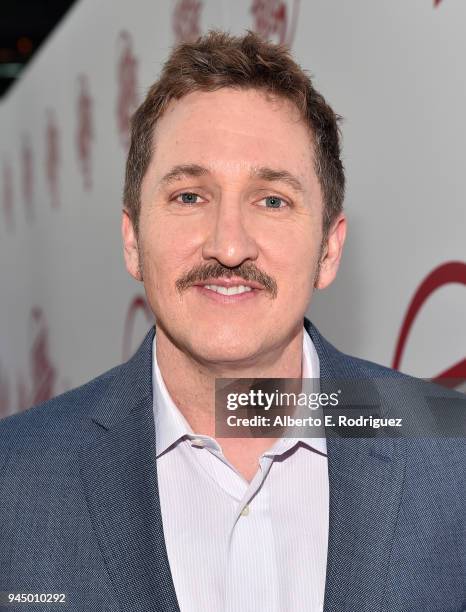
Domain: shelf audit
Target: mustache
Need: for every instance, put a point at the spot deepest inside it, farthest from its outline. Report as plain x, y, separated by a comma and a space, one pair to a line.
246, 271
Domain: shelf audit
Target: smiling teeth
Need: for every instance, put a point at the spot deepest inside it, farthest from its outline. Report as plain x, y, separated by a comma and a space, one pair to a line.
228, 290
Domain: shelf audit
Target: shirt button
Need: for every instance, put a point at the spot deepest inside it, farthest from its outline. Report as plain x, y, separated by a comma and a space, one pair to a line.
198, 442
245, 510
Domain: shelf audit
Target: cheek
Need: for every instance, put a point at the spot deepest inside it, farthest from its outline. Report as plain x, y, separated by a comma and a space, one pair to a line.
293, 254
167, 255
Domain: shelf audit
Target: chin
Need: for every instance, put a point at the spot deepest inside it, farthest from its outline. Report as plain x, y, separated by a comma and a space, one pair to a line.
228, 348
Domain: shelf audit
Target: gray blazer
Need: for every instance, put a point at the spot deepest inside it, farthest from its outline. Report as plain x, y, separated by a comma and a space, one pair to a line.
80, 510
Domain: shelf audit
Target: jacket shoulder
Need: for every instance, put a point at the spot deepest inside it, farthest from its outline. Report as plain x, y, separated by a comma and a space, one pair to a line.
426, 386
62, 415
65, 420
345, 366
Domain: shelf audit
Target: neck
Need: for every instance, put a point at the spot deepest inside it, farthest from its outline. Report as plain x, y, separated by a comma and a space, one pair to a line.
191, 381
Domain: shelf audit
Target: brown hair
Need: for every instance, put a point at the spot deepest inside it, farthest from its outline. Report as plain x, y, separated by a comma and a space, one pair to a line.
218, 60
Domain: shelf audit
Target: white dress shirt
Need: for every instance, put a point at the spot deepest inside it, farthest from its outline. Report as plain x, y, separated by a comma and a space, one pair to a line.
236, 546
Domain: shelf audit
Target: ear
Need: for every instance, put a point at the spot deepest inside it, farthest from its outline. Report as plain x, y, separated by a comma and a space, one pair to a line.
333, 249
130, 246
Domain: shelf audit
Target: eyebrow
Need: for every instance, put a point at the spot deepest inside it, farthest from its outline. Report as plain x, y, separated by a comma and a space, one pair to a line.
257, 172
271, 175
182, 170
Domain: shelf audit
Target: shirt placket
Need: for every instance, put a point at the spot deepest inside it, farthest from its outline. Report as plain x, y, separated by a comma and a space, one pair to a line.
251, 571
251, 579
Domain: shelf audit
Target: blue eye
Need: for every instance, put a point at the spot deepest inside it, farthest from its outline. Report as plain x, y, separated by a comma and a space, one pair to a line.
274, 202
188, 197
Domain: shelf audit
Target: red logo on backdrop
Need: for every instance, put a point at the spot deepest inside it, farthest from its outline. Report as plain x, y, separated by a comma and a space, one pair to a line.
127, 77
187, 20
42, 370
85, 133
8, 196
40, 383
450, 272
52, 158
27, 176
137, 306
276, 20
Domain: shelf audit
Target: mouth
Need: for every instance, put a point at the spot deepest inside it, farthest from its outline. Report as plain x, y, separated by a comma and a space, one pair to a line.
229, 290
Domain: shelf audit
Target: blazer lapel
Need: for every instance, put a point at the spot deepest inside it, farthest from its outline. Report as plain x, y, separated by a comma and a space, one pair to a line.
118, 469
366, 478
365, 486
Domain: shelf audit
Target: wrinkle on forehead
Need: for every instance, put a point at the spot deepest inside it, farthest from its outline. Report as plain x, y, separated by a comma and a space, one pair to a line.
229, 132
209, 105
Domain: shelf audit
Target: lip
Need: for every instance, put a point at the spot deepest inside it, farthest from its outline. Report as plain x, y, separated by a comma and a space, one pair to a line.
256, 290
234, 281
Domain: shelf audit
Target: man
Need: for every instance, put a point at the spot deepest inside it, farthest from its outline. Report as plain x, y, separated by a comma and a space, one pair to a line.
119, 495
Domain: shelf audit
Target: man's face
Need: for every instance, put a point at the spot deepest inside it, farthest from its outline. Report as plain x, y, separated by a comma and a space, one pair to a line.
230, 227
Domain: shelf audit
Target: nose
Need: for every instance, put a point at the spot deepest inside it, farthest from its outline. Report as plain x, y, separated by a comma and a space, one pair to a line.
229, 241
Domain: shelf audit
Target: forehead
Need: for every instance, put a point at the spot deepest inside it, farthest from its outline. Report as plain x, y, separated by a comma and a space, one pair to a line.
231, 131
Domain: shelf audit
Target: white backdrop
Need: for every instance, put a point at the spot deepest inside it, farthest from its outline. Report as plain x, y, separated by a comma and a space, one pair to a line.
394, 70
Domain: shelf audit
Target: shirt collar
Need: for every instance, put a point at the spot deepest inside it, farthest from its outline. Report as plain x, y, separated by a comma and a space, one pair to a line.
171, 426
